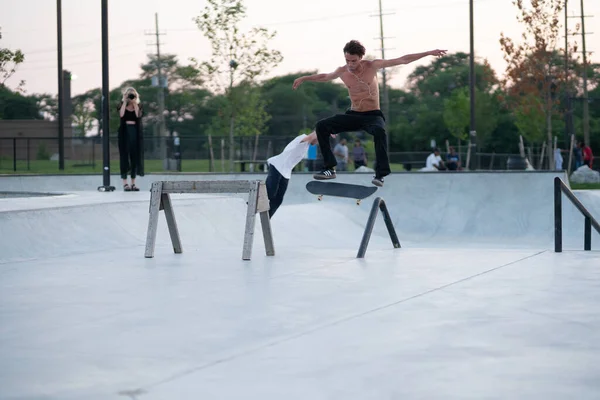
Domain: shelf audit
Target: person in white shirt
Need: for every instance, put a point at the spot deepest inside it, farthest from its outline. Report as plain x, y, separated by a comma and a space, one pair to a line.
340, 151
434, 162
281, 166
558, 160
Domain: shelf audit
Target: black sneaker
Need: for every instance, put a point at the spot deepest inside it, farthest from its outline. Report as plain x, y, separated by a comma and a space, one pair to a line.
326, 173
377, 181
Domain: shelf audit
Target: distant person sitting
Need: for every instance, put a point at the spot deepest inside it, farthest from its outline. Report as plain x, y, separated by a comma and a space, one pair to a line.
281, 166
434, 162
453, 160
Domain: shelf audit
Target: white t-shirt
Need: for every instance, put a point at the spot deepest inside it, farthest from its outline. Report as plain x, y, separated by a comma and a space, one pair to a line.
433, 160
558, 159
293, 153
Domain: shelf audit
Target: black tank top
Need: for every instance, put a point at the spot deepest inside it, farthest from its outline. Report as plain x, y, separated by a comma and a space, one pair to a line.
129, 115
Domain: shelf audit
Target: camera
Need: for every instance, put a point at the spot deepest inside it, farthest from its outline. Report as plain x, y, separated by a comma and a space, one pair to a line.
131, 96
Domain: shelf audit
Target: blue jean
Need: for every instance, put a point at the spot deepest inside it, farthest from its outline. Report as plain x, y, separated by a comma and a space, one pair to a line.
276, 186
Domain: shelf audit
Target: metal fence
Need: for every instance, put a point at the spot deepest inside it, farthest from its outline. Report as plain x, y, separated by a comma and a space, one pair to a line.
37, 154
195, 154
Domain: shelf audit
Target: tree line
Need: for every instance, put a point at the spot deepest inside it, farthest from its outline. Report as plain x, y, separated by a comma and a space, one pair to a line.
538, 97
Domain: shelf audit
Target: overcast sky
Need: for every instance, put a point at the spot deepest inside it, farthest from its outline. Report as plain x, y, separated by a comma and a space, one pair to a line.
310, 33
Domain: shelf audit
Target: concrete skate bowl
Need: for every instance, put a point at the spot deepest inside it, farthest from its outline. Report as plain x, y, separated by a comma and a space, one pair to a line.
495, 210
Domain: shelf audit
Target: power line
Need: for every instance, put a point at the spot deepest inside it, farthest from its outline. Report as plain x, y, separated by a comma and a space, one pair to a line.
298, 21
40, 29
81, 54
348, 15
77, 44
53, 65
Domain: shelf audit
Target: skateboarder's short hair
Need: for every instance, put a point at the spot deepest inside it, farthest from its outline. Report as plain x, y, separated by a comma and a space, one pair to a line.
355, 48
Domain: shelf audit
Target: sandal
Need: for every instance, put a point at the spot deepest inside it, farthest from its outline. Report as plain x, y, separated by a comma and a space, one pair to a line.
126, 187
135, 188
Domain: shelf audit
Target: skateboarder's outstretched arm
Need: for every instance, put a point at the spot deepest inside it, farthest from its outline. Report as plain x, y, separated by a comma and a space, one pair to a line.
406, 59
318, 77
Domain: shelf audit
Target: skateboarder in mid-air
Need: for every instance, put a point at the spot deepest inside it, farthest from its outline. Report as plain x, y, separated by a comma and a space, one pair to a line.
360, 77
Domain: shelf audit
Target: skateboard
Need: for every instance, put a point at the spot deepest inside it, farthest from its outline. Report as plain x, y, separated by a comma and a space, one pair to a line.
357, 192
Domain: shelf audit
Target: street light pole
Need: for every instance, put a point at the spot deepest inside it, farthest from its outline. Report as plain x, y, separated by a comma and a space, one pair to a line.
61, 120
232, 67
105, 104
472, 130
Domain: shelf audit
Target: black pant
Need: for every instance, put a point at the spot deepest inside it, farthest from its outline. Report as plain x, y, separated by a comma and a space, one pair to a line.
358, 164
372, 122
129, 159
276, 186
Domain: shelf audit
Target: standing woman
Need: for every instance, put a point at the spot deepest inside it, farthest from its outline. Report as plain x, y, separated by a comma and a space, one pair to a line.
131, 138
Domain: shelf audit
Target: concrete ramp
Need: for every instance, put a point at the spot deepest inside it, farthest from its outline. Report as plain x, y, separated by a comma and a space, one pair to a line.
503, 210
474, 305
507, 208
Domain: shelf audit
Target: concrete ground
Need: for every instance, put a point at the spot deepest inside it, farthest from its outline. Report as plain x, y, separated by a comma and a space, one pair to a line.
475, 304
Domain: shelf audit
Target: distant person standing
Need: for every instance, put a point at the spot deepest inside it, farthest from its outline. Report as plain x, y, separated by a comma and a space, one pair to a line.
340, 151
577, 155
588, 156
558, 160
311, 157
131, 139
359, 155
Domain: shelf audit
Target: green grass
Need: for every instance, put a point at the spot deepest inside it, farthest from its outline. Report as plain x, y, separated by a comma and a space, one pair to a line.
39, 167
79, 167
585, 186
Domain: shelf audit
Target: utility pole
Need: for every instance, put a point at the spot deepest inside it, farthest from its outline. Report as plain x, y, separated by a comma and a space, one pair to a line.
585, 99
385, 94
586, 110
161, 96
567, 92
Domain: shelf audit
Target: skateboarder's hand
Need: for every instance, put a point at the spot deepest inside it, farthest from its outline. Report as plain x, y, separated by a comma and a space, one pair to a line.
297, 83
438, 53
